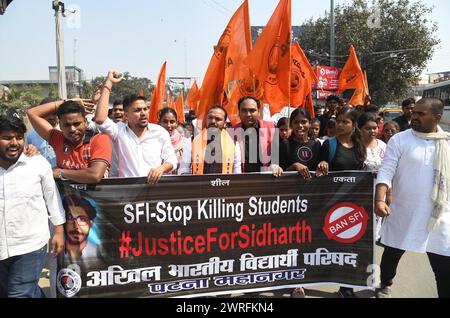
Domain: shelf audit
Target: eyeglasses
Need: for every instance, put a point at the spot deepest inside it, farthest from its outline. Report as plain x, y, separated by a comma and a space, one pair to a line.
82, 220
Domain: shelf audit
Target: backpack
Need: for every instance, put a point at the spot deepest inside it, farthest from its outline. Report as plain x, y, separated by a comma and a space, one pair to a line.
332, 142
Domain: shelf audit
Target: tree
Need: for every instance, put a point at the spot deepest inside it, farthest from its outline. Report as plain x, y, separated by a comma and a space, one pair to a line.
86, 89
129, 85
53, 91
394, 49
18, 100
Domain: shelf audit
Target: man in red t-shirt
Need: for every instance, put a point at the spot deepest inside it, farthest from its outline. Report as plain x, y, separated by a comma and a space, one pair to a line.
80, 157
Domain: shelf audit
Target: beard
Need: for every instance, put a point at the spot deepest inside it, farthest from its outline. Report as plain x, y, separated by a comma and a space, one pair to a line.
5, 157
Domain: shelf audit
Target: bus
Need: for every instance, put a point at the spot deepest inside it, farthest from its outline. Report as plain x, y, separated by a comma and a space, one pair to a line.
442, 91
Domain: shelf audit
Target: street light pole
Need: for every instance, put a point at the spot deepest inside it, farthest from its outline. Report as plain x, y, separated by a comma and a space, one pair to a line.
59, 11
332, 36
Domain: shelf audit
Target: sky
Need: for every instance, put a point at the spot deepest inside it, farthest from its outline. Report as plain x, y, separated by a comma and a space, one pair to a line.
139, 35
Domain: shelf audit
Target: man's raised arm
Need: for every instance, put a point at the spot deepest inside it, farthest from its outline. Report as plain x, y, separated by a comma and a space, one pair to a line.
37, 116
101, 113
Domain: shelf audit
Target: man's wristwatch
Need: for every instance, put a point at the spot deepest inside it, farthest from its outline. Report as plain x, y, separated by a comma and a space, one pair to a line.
60, 176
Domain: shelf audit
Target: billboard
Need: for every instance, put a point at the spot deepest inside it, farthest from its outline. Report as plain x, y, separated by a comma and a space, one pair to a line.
327, 78
322, 94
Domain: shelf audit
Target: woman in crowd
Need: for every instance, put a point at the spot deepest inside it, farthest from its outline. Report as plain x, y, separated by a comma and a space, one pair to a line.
314, 131
283, 126
376, 149
389, 130
168, 119
367, 124
346, 151
298, 153
330, 129
188, 130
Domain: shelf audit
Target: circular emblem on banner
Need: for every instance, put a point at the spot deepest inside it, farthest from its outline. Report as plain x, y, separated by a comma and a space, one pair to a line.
250, 87
295, 80
304, 153
346, 223
68, 282
273, 62
224, 42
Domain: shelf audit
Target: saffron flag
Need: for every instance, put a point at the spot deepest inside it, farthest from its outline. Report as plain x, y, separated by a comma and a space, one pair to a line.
193, 98
248, 86
158, 96
270, 59
179, 107
352, 77
366, 88
309, 105
225, 63
302, 80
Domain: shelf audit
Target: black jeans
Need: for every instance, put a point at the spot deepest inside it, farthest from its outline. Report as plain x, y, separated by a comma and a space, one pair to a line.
440, 265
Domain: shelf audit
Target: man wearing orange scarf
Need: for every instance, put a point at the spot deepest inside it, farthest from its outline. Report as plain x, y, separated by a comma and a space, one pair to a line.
213, 151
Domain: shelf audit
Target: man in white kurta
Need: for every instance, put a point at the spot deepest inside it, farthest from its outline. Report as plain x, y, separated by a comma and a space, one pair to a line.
409, 170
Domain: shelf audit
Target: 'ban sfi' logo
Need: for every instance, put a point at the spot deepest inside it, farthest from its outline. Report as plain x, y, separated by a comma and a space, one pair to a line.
346, 223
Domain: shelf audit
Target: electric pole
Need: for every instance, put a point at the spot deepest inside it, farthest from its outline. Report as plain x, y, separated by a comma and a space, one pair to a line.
59, 11
332, 36
75, 52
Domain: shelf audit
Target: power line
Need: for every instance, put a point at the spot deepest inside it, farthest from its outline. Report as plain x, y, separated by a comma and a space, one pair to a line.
223, 7
215, 7
395, 51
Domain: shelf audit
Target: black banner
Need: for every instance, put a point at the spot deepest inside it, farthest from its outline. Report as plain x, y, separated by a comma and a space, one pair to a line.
210, 235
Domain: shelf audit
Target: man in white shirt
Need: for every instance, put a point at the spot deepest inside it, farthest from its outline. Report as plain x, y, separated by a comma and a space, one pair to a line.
142, 149
417, 169
28, 199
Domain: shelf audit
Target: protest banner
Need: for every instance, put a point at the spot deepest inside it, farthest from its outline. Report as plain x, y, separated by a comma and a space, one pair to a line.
214, 234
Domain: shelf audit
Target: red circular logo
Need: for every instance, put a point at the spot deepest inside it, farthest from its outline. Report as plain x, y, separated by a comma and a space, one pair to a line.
346, 223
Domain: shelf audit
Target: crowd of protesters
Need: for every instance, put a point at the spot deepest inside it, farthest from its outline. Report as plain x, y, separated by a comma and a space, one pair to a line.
411, 216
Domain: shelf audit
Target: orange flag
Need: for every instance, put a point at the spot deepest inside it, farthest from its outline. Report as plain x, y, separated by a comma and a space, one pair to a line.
225, 64
302, 79
193, 97
309, 105
270, 59
179, 107
366, 87
248, 86
352, 77
158, 96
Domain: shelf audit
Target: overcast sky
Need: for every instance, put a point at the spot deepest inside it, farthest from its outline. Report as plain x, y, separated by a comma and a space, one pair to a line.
139, 35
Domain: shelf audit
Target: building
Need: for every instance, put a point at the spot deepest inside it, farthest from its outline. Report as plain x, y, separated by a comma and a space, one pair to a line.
435, 78
74, 78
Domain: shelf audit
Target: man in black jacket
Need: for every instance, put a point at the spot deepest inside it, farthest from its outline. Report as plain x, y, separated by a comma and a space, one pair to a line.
404, 121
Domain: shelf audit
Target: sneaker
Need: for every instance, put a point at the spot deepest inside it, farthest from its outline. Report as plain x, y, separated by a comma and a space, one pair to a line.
345, 292
298, 293
383, 292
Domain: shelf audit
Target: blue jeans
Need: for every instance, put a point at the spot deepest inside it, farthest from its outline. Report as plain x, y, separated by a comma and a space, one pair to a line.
19, 275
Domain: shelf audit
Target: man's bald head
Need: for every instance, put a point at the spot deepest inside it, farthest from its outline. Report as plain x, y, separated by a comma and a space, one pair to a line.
436, 105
